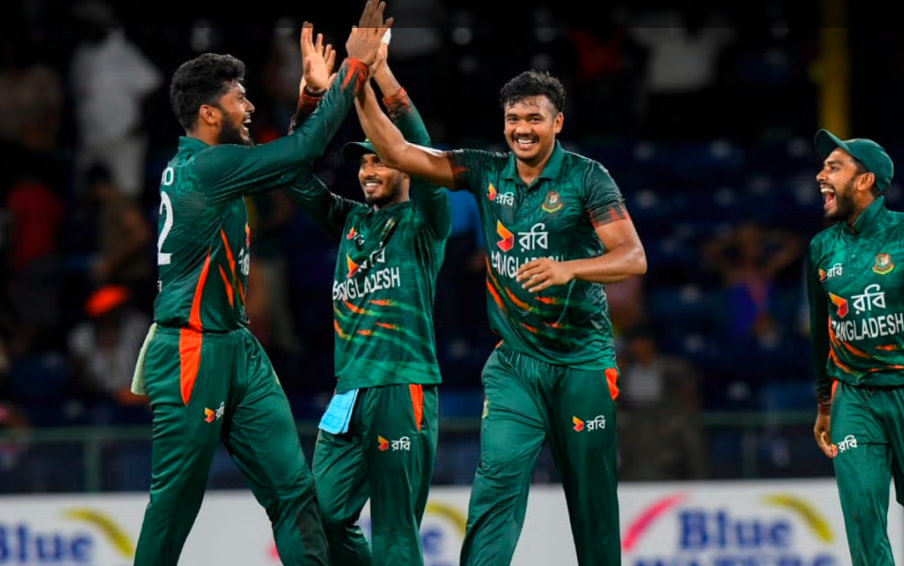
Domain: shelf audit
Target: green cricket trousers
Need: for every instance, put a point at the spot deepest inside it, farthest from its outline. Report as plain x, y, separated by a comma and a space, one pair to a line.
528, 403
386, 455
867, 431
204, 387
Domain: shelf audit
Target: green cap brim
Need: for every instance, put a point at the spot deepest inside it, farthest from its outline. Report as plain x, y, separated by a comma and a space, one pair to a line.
354, 150
826, 142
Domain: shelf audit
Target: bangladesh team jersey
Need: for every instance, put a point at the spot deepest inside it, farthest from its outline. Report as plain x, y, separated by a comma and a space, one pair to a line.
203, 234
385, 278
553, 217
855, 282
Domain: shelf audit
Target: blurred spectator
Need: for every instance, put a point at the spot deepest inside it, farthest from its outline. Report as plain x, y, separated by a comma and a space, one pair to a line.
749, 259
682, 76
281, 73
627, 305
36, 214
32, 101
110, 79
609, 79
103, 350
271, 214
659, 406
124, 239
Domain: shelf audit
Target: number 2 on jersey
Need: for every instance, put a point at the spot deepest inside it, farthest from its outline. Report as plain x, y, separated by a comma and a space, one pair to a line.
166, 206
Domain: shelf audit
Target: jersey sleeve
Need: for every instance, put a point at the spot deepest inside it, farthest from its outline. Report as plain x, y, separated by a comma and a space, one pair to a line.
604, 202
819, 333
468, 166
327, 209
432, 201
228, 171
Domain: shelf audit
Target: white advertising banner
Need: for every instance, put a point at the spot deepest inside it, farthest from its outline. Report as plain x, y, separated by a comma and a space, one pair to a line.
756, 523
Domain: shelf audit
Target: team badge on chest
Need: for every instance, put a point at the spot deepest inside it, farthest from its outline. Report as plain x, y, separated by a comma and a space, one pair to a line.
553, 202
883, 264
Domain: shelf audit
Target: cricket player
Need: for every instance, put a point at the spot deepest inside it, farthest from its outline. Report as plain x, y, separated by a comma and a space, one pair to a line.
378, 436
557, 231
855, 284
206, 376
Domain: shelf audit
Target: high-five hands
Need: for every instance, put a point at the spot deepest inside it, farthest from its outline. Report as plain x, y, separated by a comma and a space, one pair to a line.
365, 39
318, 60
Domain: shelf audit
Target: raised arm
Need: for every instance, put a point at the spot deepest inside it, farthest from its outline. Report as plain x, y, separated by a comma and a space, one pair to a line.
432, 201
228, 171
326, 209
427, 163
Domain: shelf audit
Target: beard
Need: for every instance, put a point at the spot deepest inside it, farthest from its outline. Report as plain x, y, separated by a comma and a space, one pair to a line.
385, 198
229, 134
844, 205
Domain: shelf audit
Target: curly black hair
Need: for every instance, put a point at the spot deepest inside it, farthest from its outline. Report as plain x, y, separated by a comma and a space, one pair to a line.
202, 80
530, 84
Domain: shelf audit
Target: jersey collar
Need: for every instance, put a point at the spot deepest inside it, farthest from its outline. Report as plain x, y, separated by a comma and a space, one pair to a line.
186, 143
871, 218
550, 171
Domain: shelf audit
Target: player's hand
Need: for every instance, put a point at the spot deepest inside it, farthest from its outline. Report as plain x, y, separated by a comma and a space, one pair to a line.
379, 64
543, 273
821, 432
366, 38
318, 60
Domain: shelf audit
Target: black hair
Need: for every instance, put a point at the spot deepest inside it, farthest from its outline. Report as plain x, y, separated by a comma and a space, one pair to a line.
530, 84
202, 80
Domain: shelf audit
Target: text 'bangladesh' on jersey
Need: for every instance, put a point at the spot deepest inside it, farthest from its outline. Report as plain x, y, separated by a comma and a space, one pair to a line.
203, 232
855, 281
554, 217
385, 277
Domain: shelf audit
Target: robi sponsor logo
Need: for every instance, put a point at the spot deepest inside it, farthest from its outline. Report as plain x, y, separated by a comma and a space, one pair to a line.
773, 530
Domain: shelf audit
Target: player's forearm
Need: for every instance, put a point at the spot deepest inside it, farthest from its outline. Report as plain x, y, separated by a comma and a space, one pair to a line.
613, 266
387, 82
427, 163
312, 195
307, 103
323, 123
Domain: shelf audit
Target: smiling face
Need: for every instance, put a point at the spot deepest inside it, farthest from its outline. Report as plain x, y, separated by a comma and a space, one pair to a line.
383, 186
531, 126
838, 183
235, 110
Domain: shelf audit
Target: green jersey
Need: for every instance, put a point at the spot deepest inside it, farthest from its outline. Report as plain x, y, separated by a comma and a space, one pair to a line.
856, 294
385, 278
203, 239
554, 217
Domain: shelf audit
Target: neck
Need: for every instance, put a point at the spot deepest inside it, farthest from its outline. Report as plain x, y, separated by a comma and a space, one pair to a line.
403, 196
207, 136
530, 170
856, 214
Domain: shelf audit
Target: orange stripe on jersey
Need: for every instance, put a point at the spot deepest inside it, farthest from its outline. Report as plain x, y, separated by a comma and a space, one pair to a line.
358, 71
834, 387
190, 339
225, 279
231, 259
612, 381
417, 403
518, 302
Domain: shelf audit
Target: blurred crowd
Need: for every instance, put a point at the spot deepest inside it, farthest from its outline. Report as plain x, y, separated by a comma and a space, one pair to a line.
703, 117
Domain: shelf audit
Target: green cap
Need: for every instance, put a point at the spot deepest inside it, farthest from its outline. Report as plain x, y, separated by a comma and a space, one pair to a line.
354, 150
867, 152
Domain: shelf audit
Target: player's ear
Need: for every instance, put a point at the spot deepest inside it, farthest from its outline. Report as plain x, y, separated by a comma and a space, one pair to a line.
558, 121
209, 114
